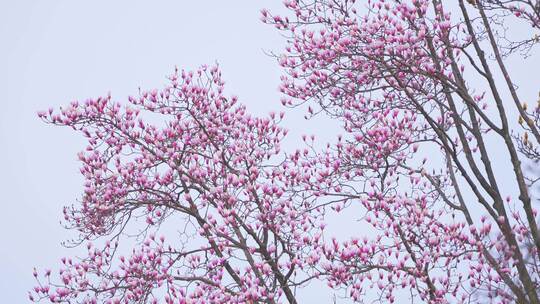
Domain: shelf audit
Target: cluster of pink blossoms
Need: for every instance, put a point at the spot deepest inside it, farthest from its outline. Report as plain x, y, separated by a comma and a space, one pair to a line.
415, 152
413, 161
211, 167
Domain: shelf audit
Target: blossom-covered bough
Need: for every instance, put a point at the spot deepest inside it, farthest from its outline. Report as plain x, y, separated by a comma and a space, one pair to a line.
438, 155
429, 107
212, 169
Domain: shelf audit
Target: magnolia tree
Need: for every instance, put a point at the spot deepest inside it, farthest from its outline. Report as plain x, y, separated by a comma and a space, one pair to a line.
438, 159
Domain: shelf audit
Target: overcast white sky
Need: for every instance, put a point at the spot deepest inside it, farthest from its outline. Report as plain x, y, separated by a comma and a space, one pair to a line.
53, 52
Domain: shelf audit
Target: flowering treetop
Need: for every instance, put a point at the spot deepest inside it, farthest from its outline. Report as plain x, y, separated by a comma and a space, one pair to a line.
426, 101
